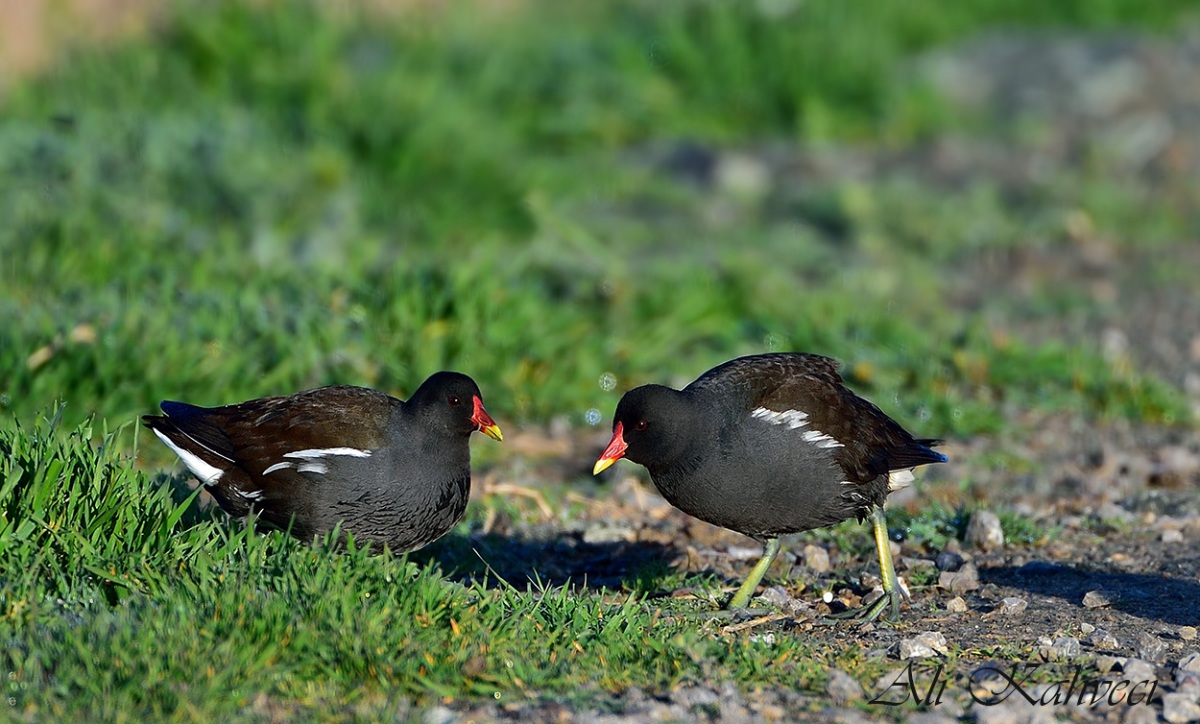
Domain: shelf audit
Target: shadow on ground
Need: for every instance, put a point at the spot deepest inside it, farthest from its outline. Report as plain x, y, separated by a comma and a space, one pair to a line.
1147, 596
564, 560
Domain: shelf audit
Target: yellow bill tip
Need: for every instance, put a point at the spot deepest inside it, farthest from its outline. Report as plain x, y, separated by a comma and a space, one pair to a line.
602, 464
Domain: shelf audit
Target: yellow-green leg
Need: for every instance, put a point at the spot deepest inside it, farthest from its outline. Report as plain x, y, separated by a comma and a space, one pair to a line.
887, 568
887, 571
742, 597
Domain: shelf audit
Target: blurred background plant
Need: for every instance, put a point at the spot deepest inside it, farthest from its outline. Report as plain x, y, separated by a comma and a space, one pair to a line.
986, 209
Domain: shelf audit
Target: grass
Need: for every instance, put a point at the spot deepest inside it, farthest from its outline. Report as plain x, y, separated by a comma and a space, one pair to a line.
258, 198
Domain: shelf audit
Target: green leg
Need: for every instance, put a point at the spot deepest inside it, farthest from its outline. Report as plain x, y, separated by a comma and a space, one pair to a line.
742, 597
887, 571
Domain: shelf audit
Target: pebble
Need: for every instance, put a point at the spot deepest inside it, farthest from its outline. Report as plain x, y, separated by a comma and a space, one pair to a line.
1150, 647
1013, 710
1188, 681
1187, 633
949, 561
961, 581
1064, 648
1178, 708
984, 531
931, 717
696, 697
608, 534
1139, 715
778, 596
1171, 535
923, 646
439, 715
956, 605
1138, 670
1098, 599
1102, 639
1012, 606
816, 558
1086, 628
842, 687
843, 716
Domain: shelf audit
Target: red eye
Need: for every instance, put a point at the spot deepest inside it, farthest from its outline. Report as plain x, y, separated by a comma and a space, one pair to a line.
641, 425
454, 401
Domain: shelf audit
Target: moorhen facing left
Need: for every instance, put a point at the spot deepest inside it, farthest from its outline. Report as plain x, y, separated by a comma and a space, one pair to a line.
767, 445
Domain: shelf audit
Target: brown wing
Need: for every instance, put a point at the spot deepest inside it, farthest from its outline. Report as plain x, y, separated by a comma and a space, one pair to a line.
258, 433
871, 443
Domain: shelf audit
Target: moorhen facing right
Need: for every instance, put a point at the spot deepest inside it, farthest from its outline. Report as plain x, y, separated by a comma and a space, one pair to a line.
392, 473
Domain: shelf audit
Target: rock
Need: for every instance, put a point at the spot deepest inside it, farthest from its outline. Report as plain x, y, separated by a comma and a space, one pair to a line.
843, 715
1064, 648
1190, 662
1012, 606
1178, 707
842, 687
1172, 535
816, 558
778, 596
1099, 599
984, 531
696, 697
956, 605
439, 715
961, 581
1013, 710
1112, 511
1150, 647
743, 553
1139, 715
931, 717
923, 646
1187, 633
1102, 639
1138, 670
608, 534
1086, 628
1188, 682
949, 561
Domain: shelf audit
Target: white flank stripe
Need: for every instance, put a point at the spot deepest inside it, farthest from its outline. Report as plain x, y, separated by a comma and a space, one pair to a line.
318, 453
253, 495
820, 439
278, 466
206, 473
898, 479
792, 418
313, 467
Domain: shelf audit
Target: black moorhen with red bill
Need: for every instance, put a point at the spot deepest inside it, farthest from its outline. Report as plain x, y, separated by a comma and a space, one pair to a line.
768, 445
392, 473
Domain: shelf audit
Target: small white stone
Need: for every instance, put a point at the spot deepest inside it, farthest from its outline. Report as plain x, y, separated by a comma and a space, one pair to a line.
984, 531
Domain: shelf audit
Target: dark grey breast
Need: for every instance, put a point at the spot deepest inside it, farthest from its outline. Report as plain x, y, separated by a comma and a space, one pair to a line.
794, 448
332, 455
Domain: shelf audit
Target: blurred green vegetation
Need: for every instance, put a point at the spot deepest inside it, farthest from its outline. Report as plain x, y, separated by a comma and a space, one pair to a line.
262, 197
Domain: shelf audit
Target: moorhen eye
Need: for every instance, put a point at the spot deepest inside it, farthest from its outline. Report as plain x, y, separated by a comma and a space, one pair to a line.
773, 444
311, 459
